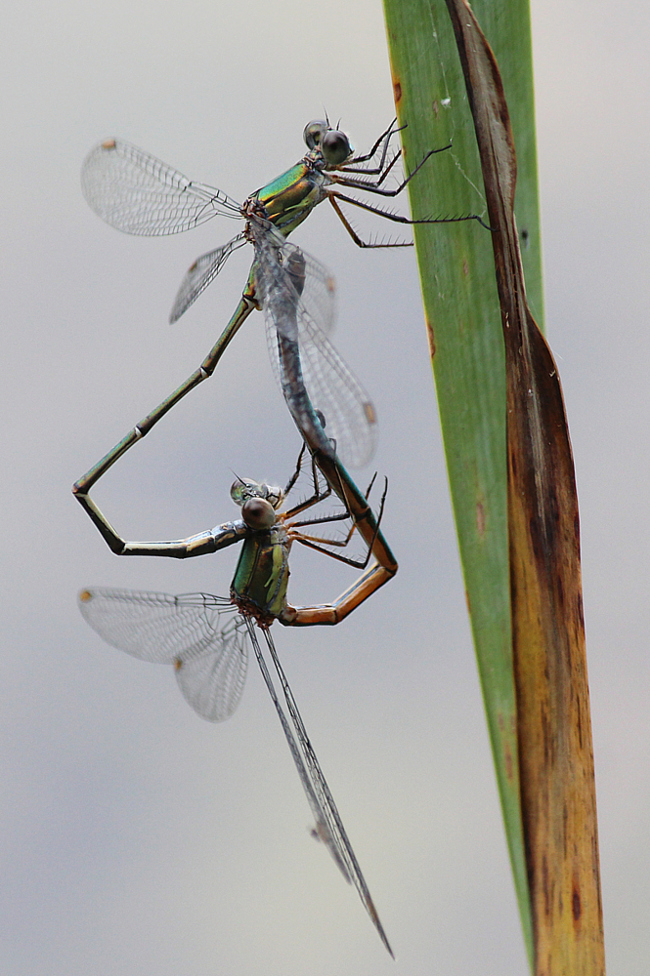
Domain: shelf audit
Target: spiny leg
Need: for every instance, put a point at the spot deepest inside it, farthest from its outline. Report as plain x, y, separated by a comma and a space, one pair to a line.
383, 568
382, 175
319, 544
359, 241
333, 196
375, 187
343, 180
357, 504
339, 517
318, 494
385, 137
294, 477
372, 185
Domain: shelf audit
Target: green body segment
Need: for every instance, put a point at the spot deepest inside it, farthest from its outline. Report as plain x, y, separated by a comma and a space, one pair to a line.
262, 574
289, 199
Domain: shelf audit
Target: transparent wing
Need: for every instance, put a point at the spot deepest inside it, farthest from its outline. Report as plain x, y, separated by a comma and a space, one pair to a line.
337, 393
318, 293
138, 194
203, 636
204, 270
329, 826
298, 307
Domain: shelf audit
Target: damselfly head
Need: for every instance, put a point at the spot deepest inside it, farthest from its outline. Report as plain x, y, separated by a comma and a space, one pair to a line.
244, 489
333, 144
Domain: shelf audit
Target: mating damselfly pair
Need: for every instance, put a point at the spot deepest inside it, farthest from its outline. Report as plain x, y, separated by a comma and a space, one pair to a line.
204, 636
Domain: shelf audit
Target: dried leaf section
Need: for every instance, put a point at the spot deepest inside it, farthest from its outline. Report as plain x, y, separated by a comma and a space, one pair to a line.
553, 718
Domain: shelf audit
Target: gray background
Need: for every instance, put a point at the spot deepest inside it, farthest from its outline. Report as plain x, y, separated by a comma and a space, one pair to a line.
136, 839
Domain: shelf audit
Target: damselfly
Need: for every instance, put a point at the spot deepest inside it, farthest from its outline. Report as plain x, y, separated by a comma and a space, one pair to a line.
138, 194
205, 637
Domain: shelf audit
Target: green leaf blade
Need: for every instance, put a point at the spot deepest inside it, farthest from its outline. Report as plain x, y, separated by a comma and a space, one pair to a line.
465, 335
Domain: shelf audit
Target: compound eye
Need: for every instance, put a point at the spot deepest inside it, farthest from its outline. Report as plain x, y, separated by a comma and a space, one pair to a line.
258, 514
314, 132
335, 147
242, 489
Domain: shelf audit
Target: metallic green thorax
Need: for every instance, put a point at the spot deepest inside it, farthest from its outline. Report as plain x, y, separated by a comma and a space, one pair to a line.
289, 199
259, 585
